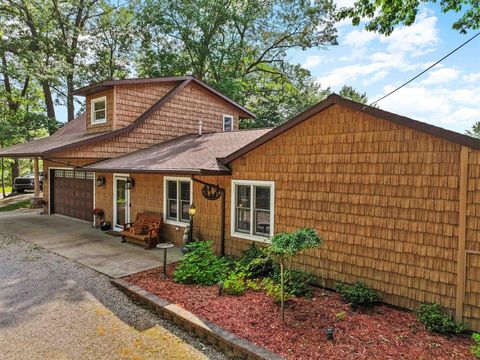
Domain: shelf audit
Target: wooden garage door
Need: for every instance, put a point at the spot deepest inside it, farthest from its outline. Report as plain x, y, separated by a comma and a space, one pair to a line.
72, 192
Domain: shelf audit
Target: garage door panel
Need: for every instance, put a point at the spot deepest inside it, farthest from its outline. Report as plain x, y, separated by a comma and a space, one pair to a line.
72, 192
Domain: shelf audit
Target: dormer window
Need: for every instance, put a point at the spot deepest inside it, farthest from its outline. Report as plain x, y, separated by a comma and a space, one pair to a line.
99, 111
227, 123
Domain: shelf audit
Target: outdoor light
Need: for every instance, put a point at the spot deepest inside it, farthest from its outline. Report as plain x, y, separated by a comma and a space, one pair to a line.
100, 181
129, 184
329, 332
192, 210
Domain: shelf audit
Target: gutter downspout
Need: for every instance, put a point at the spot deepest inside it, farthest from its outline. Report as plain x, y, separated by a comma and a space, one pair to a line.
222, 212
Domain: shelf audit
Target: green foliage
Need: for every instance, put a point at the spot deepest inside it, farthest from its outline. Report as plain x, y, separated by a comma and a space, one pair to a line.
296, 282
292, 243
253, 285
255, 262
201, 266
357, 294
274, 290
385, 14
476, 347
341, 315
235, 284
437, 319
475, 130
15, 206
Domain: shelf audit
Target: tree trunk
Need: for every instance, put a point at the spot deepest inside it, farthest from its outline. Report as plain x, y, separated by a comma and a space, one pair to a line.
47, 93
15, 170
2, 175
70, 103
282, 295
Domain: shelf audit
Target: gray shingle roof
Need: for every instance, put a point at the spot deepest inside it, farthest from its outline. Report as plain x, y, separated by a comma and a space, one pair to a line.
190, 154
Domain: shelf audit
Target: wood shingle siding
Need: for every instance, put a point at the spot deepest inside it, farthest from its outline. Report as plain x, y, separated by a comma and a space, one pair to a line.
383, 196
108, 126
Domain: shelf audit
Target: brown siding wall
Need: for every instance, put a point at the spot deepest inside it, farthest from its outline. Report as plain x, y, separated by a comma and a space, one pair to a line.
109, 125
179, 116
384, 198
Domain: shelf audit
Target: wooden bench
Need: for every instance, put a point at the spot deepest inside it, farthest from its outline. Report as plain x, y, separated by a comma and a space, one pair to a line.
144, 231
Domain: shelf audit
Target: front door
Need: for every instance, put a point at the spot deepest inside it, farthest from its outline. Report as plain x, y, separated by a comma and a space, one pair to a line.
121, 202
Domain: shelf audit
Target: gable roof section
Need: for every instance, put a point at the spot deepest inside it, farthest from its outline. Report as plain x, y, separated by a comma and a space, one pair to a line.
70, 134
335, 99
187, 154
109, 84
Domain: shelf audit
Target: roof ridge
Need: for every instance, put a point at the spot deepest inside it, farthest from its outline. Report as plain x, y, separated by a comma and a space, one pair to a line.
335, 99
134, 124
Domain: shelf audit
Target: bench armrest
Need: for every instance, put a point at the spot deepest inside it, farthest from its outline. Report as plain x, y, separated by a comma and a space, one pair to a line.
127, 225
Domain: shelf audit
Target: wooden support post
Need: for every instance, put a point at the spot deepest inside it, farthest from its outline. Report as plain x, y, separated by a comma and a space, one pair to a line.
462, 232
36, 175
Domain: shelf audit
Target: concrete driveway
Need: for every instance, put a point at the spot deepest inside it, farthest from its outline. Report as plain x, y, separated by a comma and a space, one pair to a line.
80, 242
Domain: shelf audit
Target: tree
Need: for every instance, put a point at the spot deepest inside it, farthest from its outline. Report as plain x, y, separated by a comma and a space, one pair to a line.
286, 245
239, 47
350, 93
475, 130
384, 14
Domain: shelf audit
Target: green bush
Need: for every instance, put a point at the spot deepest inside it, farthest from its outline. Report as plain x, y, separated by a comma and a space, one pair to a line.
255, 262
201, 266
357, 294
274, 290
296, 282
437, 319
476, 346
235, 284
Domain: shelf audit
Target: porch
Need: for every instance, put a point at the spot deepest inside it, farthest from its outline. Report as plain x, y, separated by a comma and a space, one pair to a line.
79, 241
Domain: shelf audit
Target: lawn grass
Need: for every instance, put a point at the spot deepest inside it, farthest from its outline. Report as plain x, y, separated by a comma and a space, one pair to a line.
8, 189
18, 205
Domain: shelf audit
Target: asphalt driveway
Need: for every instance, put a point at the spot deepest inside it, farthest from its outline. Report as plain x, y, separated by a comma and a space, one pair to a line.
80, 242
54, 308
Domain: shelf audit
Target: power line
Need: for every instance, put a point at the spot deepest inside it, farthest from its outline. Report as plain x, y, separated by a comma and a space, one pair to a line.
424, 71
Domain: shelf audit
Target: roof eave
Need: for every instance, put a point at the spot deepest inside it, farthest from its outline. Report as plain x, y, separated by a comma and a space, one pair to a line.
161, 171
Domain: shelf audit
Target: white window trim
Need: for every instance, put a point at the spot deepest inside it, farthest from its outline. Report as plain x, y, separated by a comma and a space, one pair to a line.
175, 178
92, 110
233, 211
127, 207
233, 120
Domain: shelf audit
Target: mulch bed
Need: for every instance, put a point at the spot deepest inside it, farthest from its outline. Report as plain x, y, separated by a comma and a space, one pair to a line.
380, 333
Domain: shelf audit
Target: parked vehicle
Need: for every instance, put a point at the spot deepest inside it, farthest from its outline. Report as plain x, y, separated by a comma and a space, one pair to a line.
22, 183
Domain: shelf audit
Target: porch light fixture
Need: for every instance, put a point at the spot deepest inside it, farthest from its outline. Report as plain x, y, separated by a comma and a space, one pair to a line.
192, 210
100, 181
129, 184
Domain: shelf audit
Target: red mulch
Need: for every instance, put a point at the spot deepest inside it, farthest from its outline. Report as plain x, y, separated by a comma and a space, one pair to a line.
380, 333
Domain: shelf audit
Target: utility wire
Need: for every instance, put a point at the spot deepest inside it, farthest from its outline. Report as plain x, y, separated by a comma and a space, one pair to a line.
424, 71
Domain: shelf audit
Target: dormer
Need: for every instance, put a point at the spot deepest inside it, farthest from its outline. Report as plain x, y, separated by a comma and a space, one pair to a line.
100, 111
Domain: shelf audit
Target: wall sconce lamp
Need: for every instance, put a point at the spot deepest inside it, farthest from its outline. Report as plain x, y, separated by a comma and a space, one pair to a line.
100, 181
130, 183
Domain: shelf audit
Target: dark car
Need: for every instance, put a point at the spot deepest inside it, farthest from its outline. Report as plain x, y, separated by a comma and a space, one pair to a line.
22, 183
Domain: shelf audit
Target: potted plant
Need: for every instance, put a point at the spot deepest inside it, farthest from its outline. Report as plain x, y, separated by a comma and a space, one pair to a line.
97, 217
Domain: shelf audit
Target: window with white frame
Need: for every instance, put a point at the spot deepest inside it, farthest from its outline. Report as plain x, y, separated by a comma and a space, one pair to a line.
227, 123
99, 110
178, 197
252, 209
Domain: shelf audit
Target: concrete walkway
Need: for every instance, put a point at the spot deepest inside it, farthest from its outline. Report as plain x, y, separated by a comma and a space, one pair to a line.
80, 242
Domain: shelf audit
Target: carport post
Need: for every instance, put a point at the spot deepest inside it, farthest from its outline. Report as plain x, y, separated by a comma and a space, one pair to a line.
36, 175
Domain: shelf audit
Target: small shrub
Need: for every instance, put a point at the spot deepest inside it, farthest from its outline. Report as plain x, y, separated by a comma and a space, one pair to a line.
255, 262
253, 285
341, 315
357, 294
476, 347
436, 319
201, 266
274, 290
296, 282
234, 284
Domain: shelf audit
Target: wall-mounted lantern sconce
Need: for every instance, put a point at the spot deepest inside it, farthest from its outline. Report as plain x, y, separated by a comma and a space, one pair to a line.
130, 183
100, 181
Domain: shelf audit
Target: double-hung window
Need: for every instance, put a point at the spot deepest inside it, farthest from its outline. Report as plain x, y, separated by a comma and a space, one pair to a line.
227, 123
178, 197
252, 209
99, 110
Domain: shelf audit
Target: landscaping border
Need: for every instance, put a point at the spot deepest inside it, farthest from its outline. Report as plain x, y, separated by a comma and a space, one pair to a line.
232, 345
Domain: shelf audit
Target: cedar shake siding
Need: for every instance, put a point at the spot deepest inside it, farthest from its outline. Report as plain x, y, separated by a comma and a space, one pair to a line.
384, 197
178, 116
109, 124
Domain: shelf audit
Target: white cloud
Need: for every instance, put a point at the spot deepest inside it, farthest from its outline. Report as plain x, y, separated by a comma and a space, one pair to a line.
312, 61
441, 75
472, 77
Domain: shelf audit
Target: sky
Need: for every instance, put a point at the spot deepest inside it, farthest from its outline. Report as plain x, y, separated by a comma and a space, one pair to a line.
448, 95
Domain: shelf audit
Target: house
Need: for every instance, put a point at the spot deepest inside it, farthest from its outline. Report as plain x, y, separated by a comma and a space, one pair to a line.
396, 200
